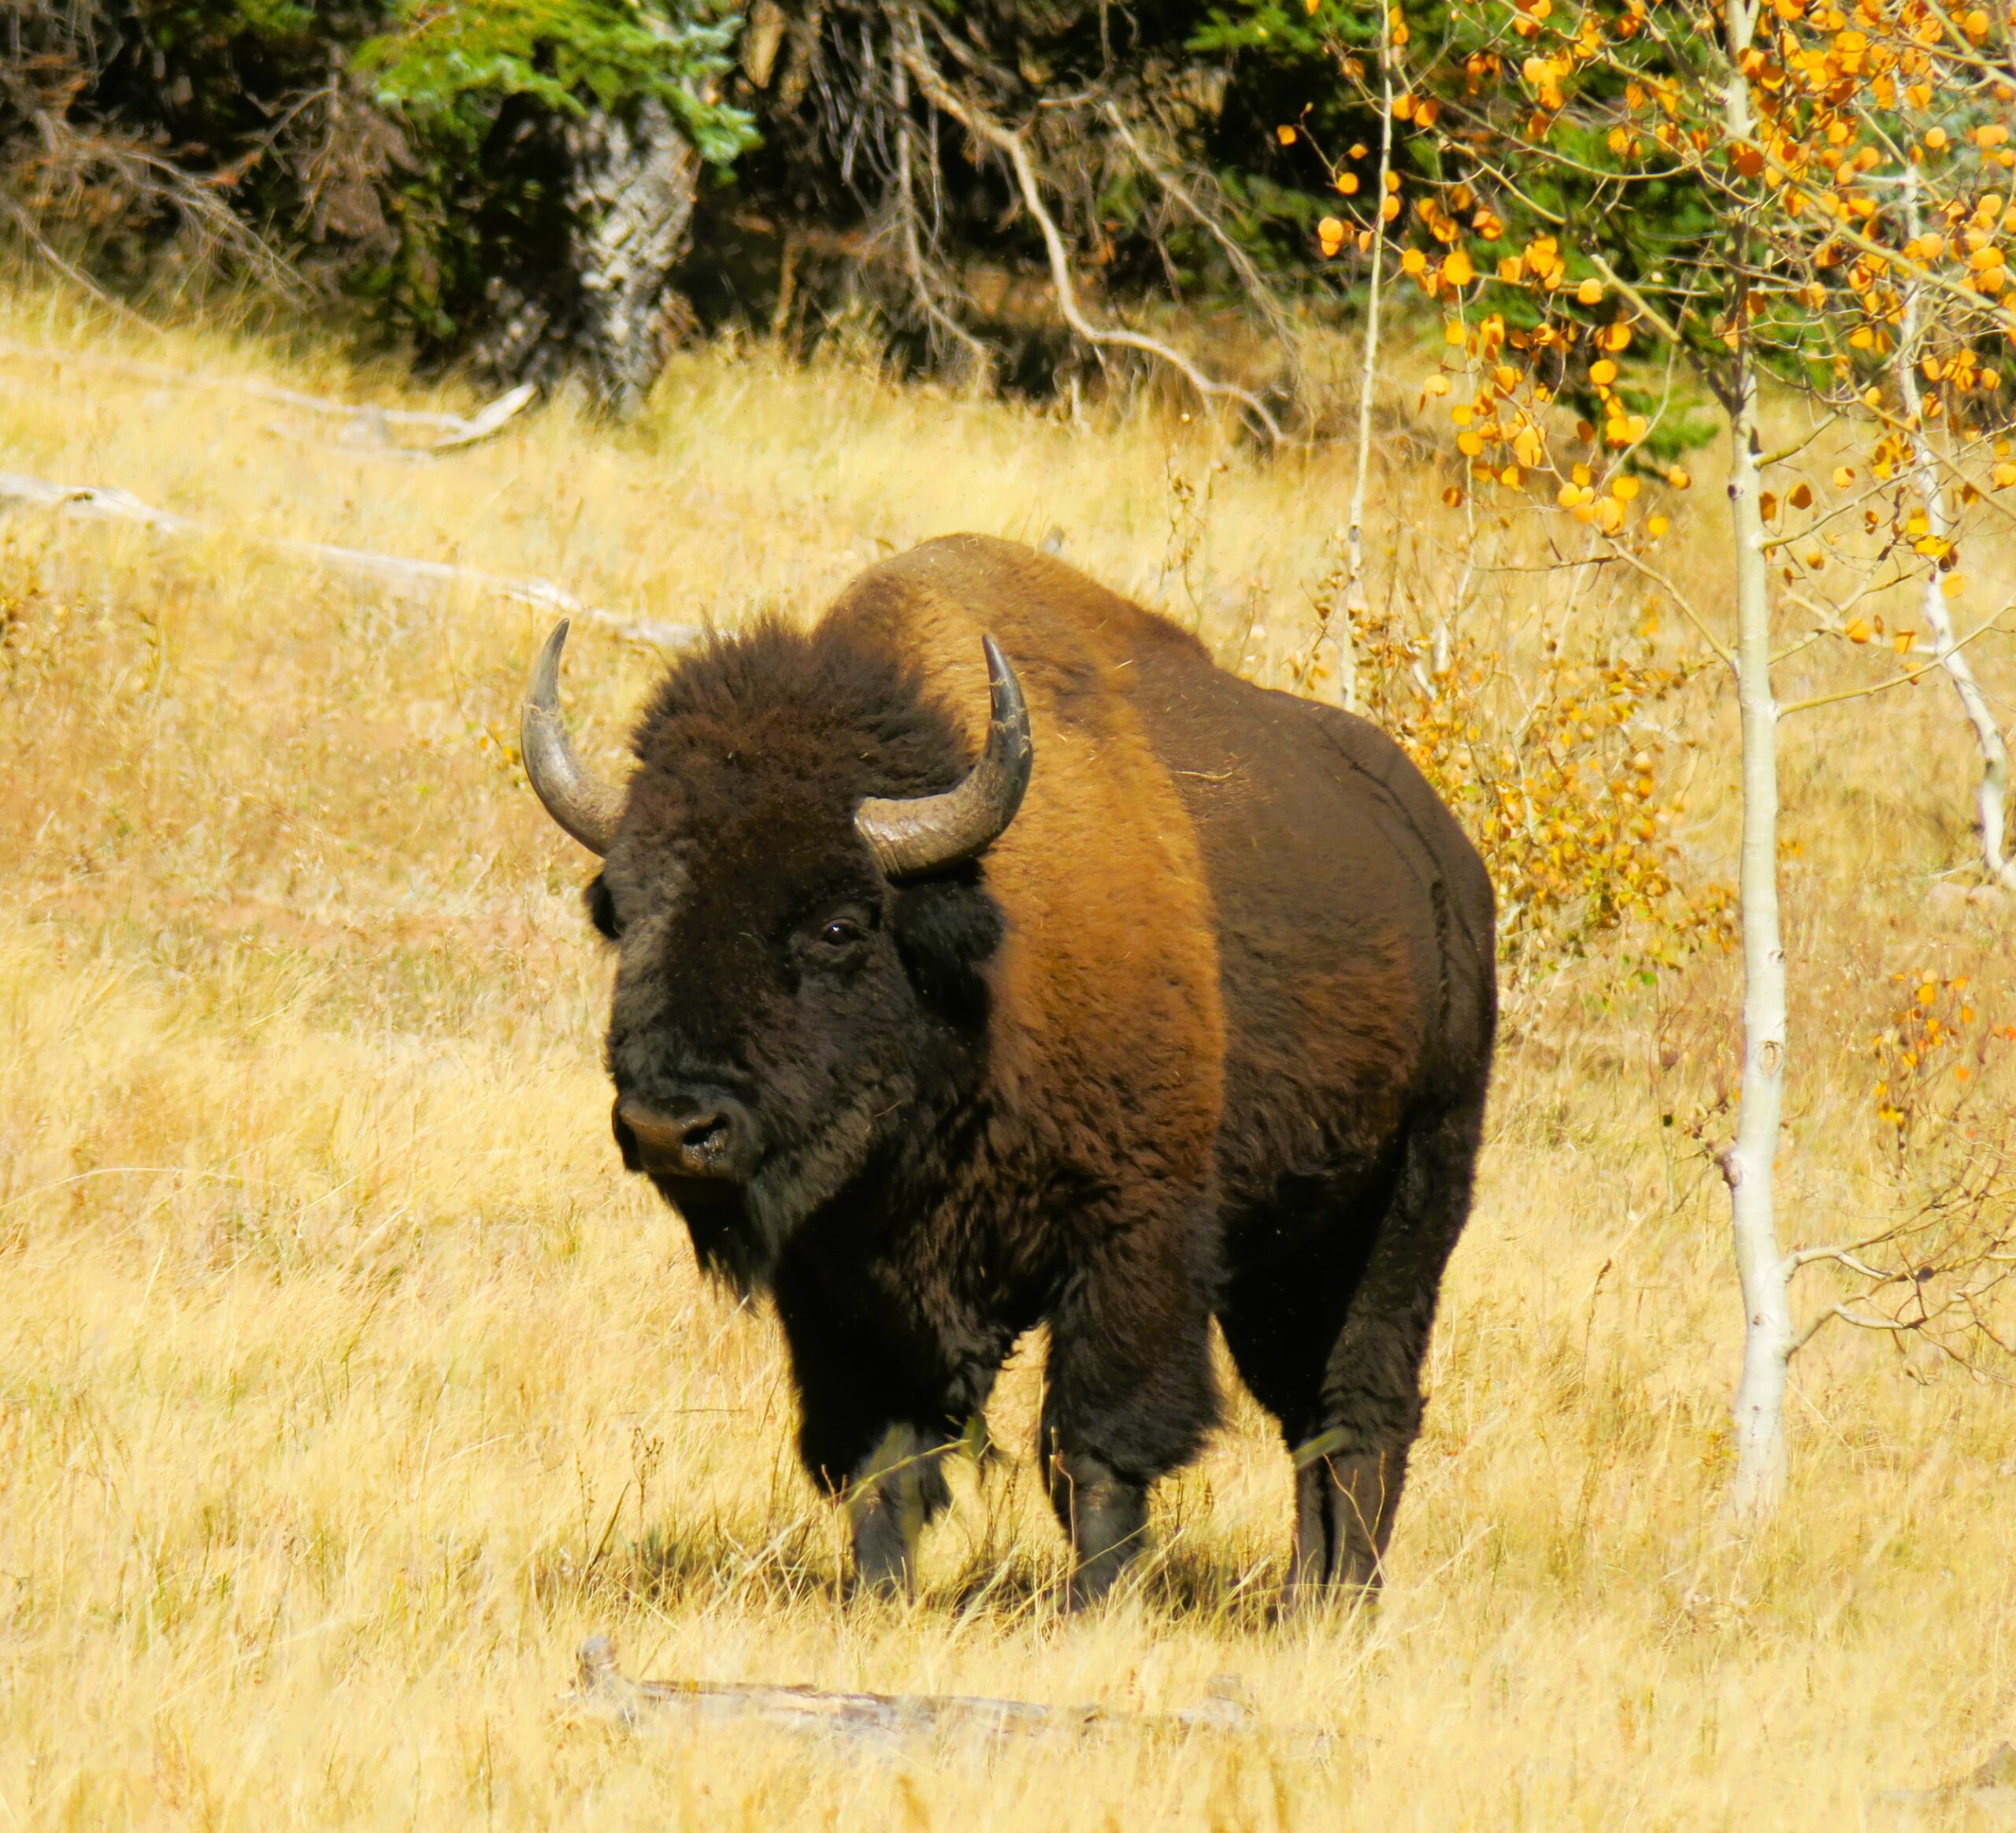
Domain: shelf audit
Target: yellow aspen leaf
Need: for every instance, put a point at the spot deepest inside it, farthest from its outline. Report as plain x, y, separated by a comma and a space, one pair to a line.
1679, 476
1603, 373
1953, 585
1568, 496
1580, 473
1360, 150
1457, 270
1470, 444
1901, 643
1509, 476
1657, 526
1512, 269
1435, 385
1526, 444
1844, 475
1610, 515
2003, 476
1330, 234
1859, 631
1625, 488
1935, 138
1453, 496
1309, 6
1413, 260
1286, 135
1590, 293
1389, 209
1975, 24
1453, 333
1348, 183
1802, 496
1767, 505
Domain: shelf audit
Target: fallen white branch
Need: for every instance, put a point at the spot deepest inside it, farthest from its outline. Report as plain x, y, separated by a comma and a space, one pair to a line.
104, 503
885, 1721
453, 432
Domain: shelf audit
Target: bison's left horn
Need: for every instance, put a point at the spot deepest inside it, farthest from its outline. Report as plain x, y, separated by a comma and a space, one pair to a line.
588, 809
926, 833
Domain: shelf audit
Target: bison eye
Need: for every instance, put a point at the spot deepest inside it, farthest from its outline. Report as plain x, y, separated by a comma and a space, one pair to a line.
835, 939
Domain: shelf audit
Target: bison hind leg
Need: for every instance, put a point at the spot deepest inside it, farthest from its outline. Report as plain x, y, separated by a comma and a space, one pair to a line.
889, 1499
1332, 1341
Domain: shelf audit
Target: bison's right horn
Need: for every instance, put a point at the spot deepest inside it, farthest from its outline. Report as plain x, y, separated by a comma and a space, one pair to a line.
589, 810
922, 834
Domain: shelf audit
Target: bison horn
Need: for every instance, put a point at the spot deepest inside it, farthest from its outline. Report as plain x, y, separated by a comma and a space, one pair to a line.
926, 833
587, 809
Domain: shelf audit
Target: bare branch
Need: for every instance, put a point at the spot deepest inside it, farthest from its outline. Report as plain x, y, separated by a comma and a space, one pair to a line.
1006, 141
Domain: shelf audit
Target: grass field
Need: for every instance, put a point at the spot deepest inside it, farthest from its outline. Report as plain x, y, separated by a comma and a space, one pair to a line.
346, 1384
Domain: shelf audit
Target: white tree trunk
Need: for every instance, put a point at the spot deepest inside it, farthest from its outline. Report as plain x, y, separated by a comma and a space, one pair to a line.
1993, 791
1748, 1165
1767, 1341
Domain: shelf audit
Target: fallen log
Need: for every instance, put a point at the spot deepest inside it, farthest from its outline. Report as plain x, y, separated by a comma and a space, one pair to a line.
102, 502
891, 1721
452, 432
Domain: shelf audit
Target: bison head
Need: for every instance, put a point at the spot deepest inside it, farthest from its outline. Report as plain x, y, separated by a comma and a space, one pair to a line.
800, 984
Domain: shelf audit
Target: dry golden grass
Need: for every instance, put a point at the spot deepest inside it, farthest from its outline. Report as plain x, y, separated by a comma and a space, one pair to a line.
346, 1383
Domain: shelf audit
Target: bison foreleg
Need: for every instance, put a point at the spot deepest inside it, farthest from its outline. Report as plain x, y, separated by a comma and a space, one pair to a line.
1128, 1391
889, 1498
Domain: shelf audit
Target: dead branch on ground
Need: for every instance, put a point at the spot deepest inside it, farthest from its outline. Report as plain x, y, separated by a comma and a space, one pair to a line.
888, 1722
105, 503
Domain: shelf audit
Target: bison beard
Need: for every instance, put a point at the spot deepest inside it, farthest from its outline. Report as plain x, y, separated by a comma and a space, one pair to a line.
1201, 1027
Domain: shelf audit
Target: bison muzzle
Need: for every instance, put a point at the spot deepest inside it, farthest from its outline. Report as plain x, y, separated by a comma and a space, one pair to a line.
1162, 997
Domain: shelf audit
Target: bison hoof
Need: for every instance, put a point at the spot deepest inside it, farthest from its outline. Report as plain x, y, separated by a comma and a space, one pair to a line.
1107, 1516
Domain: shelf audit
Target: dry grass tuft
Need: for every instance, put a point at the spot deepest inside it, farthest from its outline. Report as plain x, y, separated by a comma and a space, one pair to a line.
346, 1384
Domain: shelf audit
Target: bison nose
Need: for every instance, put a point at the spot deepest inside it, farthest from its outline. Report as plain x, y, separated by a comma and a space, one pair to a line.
694, 1133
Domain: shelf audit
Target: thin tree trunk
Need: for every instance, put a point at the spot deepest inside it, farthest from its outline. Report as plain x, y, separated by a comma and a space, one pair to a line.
1748, 1165
1354, 601
1992, 792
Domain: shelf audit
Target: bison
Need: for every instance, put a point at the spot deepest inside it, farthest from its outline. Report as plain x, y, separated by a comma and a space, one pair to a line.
1163, 997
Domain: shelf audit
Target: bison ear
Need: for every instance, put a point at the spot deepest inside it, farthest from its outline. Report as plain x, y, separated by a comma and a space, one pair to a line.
602, 907
947, 931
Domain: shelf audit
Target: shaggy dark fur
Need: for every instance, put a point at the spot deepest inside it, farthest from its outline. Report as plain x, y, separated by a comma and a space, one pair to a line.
1207, 1031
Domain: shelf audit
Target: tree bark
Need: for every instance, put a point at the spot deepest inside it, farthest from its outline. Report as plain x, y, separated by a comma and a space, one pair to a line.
1760, 1404
634, 185
1748, 1165
1992, 790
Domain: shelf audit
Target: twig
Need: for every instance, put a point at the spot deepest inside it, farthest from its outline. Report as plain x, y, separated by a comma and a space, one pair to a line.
1899, 680
1653, 316
1250, 276
98, 503
1722, 650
